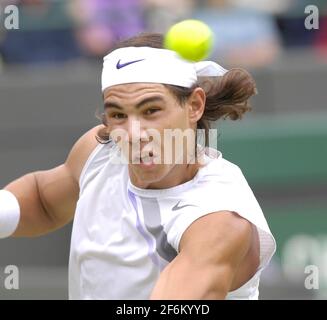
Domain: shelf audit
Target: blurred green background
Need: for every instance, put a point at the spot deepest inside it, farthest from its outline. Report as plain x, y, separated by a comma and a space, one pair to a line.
50, 90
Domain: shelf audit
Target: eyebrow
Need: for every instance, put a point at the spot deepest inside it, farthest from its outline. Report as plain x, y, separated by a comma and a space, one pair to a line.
109, 104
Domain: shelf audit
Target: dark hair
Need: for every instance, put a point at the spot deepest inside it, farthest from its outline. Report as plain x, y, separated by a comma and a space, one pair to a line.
226, 96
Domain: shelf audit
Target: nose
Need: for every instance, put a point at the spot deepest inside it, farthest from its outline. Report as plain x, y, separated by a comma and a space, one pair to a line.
136, 132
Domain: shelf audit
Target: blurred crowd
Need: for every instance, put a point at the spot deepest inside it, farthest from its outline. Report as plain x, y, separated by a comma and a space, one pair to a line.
250, 33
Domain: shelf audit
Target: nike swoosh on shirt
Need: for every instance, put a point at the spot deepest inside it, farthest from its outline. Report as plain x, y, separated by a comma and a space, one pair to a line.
177, 207
122, 65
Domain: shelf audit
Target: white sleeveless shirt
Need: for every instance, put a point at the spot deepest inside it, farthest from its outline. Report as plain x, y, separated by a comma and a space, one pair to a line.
124, 236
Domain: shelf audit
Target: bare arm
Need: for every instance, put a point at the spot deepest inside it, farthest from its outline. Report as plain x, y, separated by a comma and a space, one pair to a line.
211, 258
47, 199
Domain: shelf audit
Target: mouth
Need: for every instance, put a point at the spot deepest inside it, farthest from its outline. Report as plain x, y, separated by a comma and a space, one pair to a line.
147, 160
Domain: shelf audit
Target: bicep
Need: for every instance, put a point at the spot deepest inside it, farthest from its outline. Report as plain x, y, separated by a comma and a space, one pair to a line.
58, 191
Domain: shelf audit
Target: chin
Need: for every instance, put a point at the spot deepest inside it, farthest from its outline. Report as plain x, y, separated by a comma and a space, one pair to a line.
147, 175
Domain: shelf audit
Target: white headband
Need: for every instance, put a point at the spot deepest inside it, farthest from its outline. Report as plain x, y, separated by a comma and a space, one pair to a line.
146, 64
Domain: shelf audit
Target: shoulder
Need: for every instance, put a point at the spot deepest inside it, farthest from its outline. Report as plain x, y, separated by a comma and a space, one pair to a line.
81, 151
224, 168
219, 197
219, 169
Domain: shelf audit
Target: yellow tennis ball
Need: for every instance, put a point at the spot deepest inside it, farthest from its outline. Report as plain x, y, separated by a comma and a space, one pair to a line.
192, 39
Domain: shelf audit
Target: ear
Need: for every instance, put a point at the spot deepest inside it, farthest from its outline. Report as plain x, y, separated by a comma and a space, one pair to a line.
196, 104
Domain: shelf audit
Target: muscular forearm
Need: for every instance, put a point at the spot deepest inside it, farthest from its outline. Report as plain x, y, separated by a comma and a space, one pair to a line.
186, 282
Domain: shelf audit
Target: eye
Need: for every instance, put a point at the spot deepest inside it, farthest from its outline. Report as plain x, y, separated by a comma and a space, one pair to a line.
151, 111
117, 116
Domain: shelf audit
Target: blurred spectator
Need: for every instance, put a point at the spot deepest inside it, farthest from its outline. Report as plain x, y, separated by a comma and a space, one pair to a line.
321, 39
45, 34
248, 33
291, 24
243, 37
161, 14
100, 23
266, 6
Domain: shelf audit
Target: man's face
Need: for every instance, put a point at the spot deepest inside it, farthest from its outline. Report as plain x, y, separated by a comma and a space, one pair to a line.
144, 116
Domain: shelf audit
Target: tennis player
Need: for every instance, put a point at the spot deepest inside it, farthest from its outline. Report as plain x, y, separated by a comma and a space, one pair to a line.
154, 218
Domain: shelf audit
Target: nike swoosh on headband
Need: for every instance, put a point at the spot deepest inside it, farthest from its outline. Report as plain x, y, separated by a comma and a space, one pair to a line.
177, 207
122, 65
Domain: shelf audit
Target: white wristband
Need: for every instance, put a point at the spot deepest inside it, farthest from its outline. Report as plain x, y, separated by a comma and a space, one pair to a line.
9, 213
